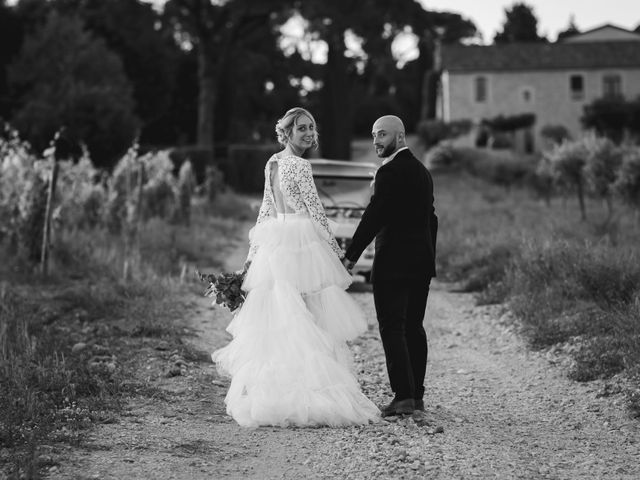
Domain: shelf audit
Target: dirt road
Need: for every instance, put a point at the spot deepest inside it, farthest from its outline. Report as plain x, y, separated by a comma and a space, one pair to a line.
505, 412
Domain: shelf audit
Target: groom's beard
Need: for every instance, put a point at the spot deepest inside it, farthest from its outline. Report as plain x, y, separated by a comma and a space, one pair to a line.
389, 149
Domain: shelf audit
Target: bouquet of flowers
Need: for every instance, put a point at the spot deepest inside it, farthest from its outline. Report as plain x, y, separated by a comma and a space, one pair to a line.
225, 288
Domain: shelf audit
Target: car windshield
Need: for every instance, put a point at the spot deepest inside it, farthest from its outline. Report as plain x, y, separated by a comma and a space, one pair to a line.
343, 185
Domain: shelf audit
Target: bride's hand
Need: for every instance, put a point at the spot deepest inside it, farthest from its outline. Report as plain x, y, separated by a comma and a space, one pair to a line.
348, 264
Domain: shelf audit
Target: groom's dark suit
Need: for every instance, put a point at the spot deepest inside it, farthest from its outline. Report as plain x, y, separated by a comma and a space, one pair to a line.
402, 219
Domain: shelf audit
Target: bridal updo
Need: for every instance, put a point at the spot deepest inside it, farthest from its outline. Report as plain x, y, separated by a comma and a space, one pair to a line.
285, 125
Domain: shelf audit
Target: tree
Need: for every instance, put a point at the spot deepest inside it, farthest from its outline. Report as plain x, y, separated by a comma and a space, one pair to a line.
133, 30
612, 117
602, 164
377, 23
66, 77
567, 164
627, 183
213, 30
436, 29
10, 40
571, 30
521, 25
331, 20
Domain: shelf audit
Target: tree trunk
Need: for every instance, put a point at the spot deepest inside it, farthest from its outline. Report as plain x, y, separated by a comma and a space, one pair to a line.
206, 96
426, 62
336, 125
430, 95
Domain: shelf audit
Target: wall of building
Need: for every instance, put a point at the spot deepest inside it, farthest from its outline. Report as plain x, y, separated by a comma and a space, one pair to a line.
550, 95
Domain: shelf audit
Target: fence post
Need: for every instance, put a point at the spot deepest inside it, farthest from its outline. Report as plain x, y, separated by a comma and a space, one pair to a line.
139, 200
44, 256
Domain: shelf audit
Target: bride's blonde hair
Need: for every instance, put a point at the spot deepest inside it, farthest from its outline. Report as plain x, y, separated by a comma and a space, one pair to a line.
284, 126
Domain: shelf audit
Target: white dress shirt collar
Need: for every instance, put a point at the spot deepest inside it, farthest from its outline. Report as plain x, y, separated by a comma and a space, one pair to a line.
393, 155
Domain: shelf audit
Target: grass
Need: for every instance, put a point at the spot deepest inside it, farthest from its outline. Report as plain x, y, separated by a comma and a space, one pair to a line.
569, 282
69, 343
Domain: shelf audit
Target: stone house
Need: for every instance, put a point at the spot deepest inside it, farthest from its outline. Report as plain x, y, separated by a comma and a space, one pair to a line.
552, 80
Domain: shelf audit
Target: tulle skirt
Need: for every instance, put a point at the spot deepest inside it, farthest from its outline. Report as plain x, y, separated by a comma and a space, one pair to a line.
288, 361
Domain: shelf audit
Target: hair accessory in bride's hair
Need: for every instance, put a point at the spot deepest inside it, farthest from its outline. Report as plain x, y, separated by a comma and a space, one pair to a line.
225, 288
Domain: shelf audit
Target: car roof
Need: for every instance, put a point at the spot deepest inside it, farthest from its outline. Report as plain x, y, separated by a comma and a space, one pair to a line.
321, 167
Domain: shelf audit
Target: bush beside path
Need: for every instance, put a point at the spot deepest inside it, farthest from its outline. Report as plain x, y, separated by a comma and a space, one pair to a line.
494, 409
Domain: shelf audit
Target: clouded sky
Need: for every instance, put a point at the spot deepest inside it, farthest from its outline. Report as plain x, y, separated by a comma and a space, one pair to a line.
553, 15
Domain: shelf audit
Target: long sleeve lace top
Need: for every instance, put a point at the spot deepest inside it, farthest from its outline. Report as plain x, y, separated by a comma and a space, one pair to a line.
300, 194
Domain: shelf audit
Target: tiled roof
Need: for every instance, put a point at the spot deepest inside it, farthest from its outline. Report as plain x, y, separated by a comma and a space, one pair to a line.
541, 56
608, 26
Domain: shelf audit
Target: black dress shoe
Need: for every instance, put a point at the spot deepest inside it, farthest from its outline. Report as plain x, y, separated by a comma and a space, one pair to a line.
419, 403
399, 407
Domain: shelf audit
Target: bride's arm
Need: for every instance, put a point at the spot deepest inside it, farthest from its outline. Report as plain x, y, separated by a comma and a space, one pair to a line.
267, 210
314, 206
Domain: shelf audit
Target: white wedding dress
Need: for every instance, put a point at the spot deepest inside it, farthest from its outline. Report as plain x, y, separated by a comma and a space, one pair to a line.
288, 360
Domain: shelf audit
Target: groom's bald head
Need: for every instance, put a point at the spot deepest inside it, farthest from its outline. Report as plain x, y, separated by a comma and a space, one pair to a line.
388, 135
391, 123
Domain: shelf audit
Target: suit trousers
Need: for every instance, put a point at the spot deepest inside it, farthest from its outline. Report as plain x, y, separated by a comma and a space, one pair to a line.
400, 308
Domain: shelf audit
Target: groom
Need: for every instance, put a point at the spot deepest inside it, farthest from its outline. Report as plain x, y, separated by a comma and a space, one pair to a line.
401, 217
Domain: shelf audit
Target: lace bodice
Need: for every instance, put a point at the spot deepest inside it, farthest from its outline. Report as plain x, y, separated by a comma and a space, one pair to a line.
300, 195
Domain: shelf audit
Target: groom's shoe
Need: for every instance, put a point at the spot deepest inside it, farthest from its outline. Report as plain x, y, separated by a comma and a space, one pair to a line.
419, 404
399, 407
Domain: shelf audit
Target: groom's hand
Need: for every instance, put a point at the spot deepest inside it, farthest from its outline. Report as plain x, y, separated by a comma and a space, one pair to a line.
348, 264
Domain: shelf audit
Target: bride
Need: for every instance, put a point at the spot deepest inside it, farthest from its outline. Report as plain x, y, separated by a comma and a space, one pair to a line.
288, 359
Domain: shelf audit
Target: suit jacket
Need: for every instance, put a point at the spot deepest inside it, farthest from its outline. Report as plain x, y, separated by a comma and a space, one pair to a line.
401, 217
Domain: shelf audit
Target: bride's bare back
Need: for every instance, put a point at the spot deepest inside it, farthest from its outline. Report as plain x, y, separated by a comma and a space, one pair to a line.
278, 196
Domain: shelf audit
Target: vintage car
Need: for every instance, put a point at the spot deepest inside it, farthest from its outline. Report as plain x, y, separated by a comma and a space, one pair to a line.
345, 188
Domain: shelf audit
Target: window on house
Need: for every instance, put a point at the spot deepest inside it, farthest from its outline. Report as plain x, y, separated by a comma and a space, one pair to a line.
612, 85
527, 95
481, 89
576, 84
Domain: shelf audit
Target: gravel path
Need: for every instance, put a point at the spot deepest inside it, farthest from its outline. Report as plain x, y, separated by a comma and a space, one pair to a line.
494, 410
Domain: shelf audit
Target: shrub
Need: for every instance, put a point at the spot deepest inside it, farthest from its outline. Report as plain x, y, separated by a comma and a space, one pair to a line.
555, 133
500, 141
160, 191
200, 159
498, 167
611, 117
186, 187
141, 188
510, 123
432, 132
440, 157
627, 183
32, 207
22, 192
482, 136
80, 194
600, 357
602, 163
567, 164
542, 181
213, 183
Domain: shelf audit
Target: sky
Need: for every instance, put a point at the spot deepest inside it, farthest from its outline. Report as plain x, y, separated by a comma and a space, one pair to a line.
553, 15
